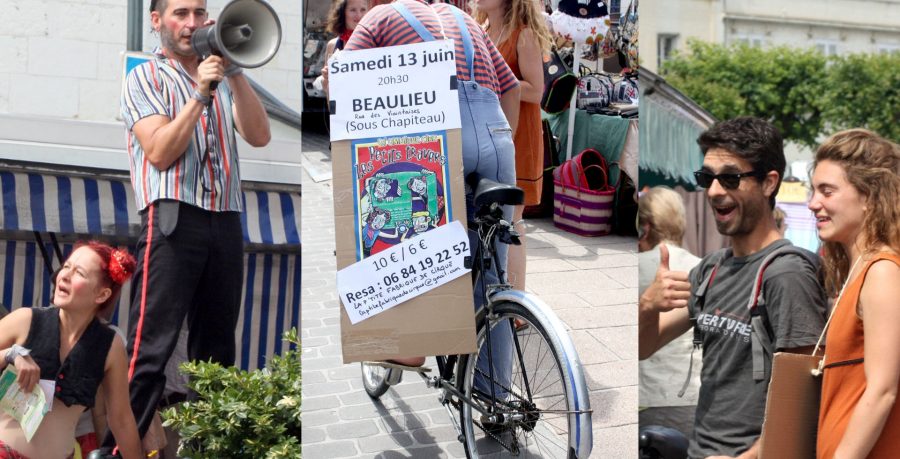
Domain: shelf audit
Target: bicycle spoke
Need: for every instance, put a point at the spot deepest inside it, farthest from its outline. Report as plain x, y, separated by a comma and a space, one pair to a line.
547, 352
518, 347
552, 442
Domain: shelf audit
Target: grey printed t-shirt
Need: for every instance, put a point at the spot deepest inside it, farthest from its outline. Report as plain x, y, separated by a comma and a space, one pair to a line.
731, 404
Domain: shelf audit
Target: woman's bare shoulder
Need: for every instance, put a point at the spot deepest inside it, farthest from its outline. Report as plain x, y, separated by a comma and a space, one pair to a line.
884, 270
526, 34
880, 292
18, 320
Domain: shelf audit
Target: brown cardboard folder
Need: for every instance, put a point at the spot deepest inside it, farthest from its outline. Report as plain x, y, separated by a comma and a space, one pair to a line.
792, 408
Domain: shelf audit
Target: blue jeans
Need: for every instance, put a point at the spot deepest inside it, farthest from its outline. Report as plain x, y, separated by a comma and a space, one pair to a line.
488, 150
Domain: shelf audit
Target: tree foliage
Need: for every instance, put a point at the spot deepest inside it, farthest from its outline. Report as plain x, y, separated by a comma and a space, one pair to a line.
803, 93
863, 90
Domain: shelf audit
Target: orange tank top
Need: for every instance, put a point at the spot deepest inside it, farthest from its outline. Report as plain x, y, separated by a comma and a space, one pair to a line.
529, 141
844, 380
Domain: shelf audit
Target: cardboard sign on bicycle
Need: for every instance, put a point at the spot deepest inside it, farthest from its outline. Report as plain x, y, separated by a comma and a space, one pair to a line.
397, 167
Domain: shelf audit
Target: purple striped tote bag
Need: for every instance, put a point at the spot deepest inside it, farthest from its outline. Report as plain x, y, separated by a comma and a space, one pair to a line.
582, 195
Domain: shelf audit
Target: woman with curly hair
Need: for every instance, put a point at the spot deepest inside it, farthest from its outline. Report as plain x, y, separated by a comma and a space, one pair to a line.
856, 202
520, 33
68, 344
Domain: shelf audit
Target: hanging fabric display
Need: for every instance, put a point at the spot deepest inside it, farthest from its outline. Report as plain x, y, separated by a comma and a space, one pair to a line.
581, 21
628, 35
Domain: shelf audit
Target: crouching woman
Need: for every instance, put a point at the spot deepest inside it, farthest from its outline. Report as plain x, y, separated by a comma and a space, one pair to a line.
67, 344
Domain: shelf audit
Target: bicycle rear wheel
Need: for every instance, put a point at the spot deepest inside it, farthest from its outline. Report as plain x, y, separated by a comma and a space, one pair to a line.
532, 399
374, 379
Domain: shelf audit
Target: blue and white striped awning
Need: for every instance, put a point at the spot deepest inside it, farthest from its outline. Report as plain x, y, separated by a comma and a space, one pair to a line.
74, 204
271, 218
67, 205
78, 205
270, 306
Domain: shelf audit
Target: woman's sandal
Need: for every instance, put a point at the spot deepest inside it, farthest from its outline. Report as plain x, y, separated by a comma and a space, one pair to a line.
398, 366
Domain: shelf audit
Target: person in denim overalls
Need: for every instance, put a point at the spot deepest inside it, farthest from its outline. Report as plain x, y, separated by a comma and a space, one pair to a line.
486, 117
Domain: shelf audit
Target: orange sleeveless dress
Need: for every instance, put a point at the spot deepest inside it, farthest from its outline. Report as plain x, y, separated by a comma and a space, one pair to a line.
529, 140
844, 384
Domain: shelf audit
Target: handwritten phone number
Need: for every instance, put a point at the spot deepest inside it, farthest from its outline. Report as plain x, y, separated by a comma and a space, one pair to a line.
424, 264
437, 263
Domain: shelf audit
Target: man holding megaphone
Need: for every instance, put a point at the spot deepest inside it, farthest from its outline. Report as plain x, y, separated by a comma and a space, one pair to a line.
181, 110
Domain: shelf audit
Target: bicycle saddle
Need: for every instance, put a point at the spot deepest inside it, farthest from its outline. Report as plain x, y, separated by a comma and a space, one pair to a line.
488, 191
667, 442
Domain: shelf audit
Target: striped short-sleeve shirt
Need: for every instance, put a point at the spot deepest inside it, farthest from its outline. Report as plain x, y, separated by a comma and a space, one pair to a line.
210, 181
383, 26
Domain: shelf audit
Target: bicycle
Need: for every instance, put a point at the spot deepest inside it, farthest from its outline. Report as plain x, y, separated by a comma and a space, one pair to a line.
542, 409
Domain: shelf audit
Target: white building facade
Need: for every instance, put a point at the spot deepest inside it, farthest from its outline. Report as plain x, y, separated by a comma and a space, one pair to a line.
833, 26
61, 66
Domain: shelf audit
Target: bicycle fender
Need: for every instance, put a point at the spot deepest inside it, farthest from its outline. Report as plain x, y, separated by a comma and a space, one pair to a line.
581, 401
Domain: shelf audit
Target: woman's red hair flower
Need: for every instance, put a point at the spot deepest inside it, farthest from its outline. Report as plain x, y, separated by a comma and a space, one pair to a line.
119, 267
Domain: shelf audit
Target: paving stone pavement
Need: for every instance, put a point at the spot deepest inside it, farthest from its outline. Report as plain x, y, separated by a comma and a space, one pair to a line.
591, 283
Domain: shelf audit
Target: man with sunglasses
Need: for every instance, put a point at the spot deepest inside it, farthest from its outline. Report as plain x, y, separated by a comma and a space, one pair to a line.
184, 170
742, 171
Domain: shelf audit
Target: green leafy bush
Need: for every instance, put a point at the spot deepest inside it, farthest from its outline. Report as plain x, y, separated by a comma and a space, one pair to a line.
241, 414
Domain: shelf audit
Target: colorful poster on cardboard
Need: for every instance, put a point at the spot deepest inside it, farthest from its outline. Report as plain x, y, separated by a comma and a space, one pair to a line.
401, 189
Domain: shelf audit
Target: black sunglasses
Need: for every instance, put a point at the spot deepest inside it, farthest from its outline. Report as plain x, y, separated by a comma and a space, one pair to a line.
728, 181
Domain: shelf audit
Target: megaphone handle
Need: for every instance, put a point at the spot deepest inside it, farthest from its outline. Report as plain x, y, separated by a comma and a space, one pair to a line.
213, 84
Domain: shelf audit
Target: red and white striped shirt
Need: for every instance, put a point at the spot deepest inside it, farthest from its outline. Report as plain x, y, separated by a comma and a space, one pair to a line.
384, 26
162, 87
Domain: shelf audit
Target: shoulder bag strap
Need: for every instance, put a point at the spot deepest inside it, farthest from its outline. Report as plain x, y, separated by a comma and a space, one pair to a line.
762, 341
700, 293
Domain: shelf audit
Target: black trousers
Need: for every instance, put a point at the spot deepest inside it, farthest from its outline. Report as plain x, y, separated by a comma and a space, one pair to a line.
189, 264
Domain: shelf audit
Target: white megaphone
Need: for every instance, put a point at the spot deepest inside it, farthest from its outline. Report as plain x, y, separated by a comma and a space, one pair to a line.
247, 33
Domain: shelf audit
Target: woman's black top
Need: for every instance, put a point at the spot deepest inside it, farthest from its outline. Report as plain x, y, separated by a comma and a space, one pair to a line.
79, 376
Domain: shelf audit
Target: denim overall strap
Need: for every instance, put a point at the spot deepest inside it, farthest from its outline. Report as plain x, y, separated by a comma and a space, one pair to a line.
413, 21
427, 36
467, 40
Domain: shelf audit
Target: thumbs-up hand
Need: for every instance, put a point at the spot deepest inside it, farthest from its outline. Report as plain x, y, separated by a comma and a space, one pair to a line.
669, 290
663, 259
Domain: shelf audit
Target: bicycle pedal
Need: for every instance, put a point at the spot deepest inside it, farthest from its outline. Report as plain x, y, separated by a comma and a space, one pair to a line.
398, 366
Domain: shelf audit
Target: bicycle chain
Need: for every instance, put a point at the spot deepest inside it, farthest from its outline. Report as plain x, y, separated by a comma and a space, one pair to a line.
513, 448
